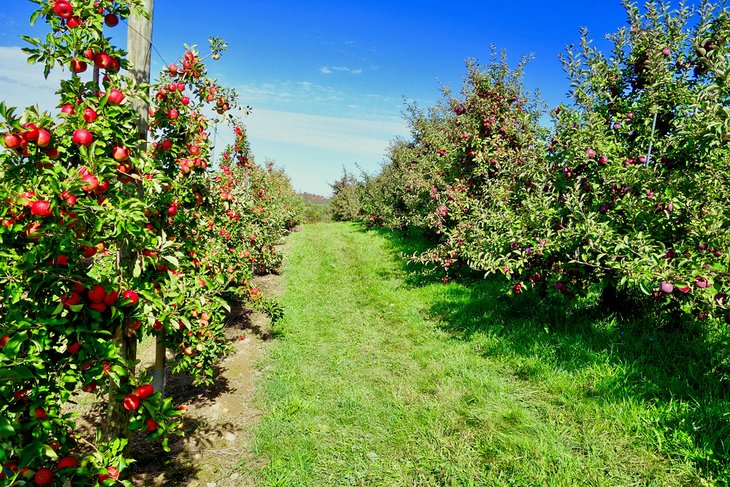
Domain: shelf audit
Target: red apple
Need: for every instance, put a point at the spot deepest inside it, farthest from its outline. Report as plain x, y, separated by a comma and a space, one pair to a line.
111, 20
74, 348
112, 297
172, 114
78, 66
82, 137
30, 133
12, 141
116, 97
44, 476
97, 294
120, 154
52, 153
73, 22
92, 182
44, 138
67, 462
145, 391
102, 60
90, 115
131, 402
151, 425
41, 208
71, 299
131, 297
63, 9
666, 287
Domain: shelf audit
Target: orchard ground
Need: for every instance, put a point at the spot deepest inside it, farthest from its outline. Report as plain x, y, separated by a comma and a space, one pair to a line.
379, 376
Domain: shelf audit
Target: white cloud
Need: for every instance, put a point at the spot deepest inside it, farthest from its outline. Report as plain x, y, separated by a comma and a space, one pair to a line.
341, 69
324, 132
23, 85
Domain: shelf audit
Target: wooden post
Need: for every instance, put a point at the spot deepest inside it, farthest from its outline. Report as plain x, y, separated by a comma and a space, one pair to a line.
139, 46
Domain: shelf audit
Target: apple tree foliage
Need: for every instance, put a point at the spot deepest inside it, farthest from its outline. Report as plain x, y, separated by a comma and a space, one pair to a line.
625, 192
105, 238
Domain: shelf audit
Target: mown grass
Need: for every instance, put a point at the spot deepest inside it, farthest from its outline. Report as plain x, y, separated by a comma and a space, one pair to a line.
384, 379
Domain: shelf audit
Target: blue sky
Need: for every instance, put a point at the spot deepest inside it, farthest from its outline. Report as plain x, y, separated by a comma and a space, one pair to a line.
327, 80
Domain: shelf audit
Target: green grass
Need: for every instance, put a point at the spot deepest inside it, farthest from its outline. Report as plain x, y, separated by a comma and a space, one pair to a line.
382, 378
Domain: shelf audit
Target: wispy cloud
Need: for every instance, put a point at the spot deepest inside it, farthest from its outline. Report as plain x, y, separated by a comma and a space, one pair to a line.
23, 85
339, 69
324, 132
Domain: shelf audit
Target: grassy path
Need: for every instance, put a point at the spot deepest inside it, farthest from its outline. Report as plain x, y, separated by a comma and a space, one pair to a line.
370, 385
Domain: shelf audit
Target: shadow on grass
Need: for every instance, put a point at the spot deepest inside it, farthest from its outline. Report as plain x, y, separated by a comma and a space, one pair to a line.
680, 376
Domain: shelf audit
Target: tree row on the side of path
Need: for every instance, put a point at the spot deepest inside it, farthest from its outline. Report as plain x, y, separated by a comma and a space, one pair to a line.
625, 192
107, 235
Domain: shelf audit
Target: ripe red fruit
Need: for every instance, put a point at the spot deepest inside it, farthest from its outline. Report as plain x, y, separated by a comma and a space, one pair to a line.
40, 413
131, 402
666, 287
145, 391
590, 153
73, 22
90, 115
92, 182
82, 137
12, 141
111, 20
157, 326
100, 307
4, 340
603, 160
30, 133
151, 425
41, 208
120, 154
112, 297
70, 299
67, 462
113, 474
102, 60
44, 138
702, 282
172, 210
90, 387
78, 66
172, 114
53, 153
97, 294
63, 9
43, 476
131, 296
116, 97
74, 348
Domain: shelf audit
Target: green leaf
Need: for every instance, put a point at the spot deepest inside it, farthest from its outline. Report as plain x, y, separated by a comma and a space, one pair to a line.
17, 373
6, 428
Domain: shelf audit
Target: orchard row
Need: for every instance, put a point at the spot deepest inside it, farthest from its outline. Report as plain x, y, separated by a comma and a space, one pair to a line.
108, 233
625, 193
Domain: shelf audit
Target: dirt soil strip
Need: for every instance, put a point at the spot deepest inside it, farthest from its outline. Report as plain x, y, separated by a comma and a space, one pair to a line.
216, 450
